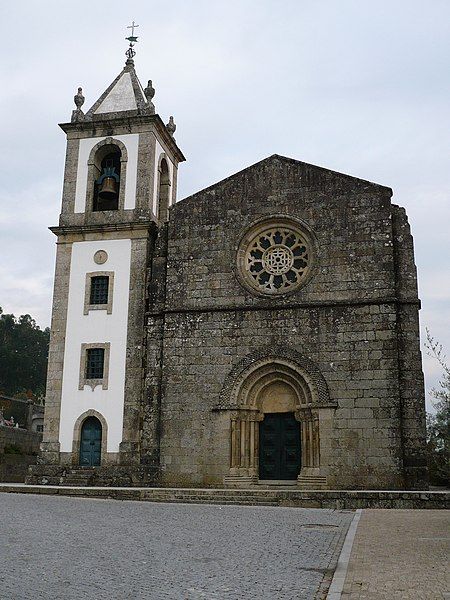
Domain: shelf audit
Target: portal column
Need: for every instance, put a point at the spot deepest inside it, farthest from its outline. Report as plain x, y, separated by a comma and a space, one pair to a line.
312, 474
244, 444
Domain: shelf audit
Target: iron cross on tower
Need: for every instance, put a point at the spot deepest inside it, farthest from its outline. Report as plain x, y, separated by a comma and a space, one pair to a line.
130, 53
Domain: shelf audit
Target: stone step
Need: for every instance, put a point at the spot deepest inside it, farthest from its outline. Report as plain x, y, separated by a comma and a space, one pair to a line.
77, 483
193, 496
203, 500
312, 482
78, 478
212, 496
209, 491
81, 471
212, 499
330, 499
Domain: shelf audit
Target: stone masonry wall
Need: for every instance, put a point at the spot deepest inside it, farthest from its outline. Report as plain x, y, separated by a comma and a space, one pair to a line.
200, 350
14, 466
345, 319
351, 220
412, 392
26, 441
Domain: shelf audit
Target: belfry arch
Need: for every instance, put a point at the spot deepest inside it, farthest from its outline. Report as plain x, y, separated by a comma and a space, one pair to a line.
107, 146
280, 382
164, 190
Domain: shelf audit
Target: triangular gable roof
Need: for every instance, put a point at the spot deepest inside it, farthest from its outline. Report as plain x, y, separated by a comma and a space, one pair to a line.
307, 168
125, 94
120, 97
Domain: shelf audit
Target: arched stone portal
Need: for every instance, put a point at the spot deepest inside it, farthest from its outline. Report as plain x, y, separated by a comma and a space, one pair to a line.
98, 433
271, 385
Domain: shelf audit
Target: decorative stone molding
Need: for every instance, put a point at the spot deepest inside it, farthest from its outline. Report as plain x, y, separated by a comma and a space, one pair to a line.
280, 356
87, 292
93, 383
279, 380
77, 435
100, 257
170, 126
275, 256
78, 115
149, 92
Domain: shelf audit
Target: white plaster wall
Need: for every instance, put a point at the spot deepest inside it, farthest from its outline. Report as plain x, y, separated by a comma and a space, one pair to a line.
158, 151
100, 327
131, 142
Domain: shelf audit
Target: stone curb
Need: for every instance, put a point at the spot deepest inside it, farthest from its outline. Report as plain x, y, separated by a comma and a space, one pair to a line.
337, 583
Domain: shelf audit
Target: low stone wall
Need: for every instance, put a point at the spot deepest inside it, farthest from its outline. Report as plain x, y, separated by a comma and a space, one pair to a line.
18, 450
27, 442
108, 476
14, 467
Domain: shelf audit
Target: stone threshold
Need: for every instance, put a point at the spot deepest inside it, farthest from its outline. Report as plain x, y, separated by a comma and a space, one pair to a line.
277, 482
334, 499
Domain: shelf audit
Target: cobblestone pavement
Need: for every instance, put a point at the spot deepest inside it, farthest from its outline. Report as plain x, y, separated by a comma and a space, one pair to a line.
400, 555
73, 548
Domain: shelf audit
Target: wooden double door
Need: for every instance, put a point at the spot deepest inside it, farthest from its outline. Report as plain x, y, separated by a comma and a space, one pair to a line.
279, 447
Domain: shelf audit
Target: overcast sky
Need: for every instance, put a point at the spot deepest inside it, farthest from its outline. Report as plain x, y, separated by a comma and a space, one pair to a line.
360, 87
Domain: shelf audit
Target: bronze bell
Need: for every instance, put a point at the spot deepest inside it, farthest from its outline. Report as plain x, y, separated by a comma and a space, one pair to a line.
108, 191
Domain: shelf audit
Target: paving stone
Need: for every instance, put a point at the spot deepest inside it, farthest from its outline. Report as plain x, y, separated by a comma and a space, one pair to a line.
400, 554
72, 548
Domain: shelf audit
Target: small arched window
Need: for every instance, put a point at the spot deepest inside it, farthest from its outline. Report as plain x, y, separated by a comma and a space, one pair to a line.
163, 191
107, 178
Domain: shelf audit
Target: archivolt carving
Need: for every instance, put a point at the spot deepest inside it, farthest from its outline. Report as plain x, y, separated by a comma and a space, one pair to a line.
285, 381
246, 380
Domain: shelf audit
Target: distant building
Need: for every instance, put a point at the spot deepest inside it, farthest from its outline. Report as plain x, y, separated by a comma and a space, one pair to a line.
263, 329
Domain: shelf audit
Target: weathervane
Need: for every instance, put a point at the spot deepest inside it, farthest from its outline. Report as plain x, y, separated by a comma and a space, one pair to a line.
130, 53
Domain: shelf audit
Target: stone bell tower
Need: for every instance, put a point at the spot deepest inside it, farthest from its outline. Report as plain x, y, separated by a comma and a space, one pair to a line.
120, 180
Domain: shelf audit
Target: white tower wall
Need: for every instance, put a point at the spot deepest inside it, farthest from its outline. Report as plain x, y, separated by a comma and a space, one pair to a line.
96, 327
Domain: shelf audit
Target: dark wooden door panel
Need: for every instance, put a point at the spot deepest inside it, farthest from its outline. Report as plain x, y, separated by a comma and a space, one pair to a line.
91, 443
279, 447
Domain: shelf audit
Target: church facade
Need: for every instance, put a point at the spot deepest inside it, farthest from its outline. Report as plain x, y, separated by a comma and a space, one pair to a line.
263, 330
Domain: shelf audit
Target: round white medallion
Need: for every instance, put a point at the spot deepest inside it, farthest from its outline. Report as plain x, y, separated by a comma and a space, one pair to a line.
100, 257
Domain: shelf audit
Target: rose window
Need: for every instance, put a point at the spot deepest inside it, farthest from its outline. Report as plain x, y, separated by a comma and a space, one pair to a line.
275, 259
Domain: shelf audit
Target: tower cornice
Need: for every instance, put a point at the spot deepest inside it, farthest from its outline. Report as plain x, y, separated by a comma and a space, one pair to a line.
64, 230
128, 121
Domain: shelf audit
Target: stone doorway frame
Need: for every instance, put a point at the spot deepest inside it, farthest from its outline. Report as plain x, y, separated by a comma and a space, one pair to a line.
241, 397
77, 436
